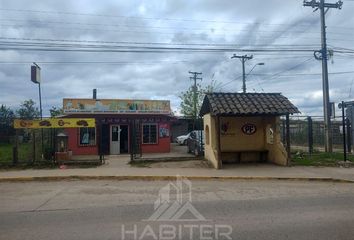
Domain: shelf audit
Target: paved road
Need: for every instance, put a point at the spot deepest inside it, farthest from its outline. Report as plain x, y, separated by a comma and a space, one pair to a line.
121, 210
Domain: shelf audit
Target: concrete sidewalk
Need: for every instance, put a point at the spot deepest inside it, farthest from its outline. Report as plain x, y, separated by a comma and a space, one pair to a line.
243, 171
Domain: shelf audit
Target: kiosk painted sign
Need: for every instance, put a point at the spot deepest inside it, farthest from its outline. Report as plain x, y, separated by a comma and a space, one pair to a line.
55, 123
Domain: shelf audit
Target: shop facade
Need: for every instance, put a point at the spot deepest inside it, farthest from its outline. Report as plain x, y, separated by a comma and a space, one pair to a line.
122, 126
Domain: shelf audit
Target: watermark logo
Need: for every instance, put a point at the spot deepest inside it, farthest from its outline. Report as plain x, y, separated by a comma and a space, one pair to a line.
174, 203
174, 217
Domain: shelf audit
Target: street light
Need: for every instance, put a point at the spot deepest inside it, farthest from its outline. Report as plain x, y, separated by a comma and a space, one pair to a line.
36, 78
257, 64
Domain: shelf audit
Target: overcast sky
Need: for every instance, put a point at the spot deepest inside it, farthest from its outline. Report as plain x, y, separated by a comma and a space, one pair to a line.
252, 24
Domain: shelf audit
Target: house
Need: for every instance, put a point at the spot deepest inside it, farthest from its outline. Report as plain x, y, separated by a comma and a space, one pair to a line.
121, 124
244, 127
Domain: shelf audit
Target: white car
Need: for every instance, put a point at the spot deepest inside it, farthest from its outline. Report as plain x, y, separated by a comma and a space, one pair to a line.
182, 140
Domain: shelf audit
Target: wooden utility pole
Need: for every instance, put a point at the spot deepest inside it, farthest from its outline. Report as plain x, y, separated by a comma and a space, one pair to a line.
195, 93
243, 59
322, 55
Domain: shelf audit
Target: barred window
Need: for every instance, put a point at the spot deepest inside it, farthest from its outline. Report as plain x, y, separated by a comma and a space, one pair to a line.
87, 136
149, 133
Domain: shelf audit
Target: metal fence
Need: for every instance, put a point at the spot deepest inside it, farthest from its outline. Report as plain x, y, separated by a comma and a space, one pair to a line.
307, 134
28, 146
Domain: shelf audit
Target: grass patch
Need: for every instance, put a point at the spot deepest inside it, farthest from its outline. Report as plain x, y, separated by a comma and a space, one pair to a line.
5, 153
318, 159
25, 151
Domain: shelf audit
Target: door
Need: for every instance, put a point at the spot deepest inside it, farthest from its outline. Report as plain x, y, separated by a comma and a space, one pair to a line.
115, 139
124, 139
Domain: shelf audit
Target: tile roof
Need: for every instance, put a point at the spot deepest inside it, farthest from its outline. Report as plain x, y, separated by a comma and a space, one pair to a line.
236, 104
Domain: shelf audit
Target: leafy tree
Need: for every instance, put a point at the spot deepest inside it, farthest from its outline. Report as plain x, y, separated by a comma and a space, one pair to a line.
54, 111
28, 110
187, 99
7, 117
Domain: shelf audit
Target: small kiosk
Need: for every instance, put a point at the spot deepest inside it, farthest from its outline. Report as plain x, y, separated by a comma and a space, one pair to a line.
62, 153
245, 127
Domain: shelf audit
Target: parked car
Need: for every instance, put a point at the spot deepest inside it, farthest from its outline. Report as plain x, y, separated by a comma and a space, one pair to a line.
182, 140
195, 142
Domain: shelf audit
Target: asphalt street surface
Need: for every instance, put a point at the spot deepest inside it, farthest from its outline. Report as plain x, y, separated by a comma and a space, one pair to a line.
217, 210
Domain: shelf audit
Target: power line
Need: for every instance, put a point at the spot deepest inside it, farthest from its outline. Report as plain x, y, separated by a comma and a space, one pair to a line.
157, 32
93, 62
159, 18
276, 75
227, 83
146, 18
133, 47
153, 43
305, 74
225, 30
44, 46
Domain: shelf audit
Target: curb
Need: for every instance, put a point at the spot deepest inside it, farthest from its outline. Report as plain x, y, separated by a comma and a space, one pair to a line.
169, 178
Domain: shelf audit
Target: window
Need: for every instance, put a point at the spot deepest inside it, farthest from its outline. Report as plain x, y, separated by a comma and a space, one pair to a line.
149, 133
87, 136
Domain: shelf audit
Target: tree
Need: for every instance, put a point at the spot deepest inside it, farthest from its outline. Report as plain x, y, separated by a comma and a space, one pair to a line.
54, 111
28, 110
7, 117
187, 99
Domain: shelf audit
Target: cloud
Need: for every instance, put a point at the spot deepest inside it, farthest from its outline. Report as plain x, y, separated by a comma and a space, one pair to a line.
164, 76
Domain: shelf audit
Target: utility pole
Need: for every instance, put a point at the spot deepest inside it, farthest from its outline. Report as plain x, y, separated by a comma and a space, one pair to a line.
322, 55
195, 89
243, 59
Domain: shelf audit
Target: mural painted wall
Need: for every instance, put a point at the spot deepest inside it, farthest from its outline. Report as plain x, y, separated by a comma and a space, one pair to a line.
116, 106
